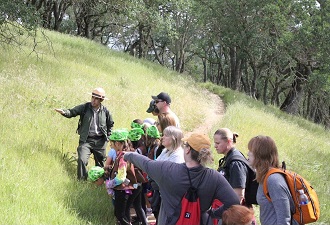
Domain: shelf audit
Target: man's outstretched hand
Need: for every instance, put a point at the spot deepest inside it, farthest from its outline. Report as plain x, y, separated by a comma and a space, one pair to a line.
59, 111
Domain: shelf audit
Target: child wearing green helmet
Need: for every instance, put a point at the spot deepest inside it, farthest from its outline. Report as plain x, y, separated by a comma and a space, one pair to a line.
137, 137
121, 136
135, 134
152, 141
136, 142
152, 145
95, 173
122, 176
137, 123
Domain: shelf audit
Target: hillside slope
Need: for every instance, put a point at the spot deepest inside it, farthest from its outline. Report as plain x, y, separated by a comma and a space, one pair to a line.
37, 168
38, 145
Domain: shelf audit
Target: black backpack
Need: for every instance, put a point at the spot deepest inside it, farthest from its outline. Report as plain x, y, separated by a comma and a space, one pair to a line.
251, 186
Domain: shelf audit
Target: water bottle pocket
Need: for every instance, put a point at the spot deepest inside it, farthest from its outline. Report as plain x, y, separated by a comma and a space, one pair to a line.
307, 211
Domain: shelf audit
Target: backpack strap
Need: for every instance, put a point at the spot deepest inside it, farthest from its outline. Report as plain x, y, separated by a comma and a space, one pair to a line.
265, 186
200, 181
241, 159
196, 188
226, 161
107, 113
109, 120
221, 163
116, 165
82, 116
189, 177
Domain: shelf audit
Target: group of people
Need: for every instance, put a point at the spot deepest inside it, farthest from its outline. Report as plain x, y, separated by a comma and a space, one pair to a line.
151, 165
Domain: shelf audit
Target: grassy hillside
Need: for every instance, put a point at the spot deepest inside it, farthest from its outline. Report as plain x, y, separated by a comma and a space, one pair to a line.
37, 172
37, 179
304, 146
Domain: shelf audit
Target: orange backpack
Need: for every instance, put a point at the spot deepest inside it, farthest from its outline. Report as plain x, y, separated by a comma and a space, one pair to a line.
303, 214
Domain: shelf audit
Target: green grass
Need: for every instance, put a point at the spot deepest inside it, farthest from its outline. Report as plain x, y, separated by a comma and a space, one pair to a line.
37, 174
37, 179
304, 146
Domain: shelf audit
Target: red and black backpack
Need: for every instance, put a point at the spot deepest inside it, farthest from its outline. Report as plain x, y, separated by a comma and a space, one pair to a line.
190, 205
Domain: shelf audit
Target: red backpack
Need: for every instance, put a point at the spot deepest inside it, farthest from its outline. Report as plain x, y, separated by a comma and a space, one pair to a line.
190, 205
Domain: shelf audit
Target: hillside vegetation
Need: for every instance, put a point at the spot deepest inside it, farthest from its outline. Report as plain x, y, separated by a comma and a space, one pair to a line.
38, 171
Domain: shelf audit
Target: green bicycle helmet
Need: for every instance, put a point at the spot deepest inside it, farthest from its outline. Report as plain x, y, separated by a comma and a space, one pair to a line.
135, 134
119, 135
136, 125
95, 173
153, 132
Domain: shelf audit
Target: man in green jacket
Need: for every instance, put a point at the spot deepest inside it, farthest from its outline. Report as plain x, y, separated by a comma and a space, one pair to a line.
94, 128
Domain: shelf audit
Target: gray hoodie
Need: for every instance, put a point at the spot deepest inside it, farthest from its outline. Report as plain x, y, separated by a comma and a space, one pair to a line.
173, 182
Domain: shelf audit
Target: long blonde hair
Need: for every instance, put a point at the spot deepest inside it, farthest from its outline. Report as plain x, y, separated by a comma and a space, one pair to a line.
176, 136
265, 155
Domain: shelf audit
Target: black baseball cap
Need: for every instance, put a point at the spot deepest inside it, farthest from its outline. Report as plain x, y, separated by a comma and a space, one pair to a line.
162, 96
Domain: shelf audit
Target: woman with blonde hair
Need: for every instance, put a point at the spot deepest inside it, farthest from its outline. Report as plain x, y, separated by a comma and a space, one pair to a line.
173, 152
263, 156
172, 142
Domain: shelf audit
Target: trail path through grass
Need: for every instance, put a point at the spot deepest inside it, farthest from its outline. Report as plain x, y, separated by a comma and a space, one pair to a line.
214, 115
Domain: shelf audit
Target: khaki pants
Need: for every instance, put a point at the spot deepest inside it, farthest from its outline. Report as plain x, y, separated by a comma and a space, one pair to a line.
97, 147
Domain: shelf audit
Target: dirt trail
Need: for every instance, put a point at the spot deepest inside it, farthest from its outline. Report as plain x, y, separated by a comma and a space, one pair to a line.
213, 115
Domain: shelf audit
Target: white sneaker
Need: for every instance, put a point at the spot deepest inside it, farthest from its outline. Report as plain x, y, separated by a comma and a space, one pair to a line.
149, 211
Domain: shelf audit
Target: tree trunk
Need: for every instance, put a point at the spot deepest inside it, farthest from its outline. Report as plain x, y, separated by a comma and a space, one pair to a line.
253, 87
295, 95
204, 69
236, 71
232, 54
141, 40
59, 10
219, 73
265, 90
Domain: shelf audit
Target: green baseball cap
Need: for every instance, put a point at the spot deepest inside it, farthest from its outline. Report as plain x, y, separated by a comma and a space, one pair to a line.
119, 135
136, 125
135, 134
95, 173
153, 132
